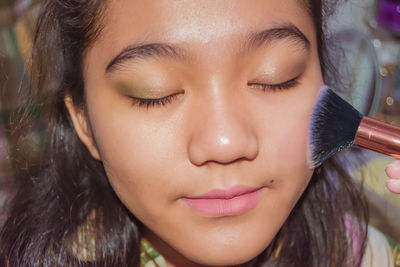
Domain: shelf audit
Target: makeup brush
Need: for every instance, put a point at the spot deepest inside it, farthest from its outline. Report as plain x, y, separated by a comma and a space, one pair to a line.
336, 125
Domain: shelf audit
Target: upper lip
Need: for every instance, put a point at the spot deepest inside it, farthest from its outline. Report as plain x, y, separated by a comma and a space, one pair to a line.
232, 192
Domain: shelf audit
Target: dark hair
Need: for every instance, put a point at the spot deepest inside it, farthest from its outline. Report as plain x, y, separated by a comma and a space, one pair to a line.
62, 210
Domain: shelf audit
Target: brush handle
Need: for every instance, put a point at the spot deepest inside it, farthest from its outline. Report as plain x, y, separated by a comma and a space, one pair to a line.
378, 136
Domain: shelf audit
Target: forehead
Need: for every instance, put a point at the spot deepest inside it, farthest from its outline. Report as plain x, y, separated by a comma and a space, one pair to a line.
197, 20
203, 26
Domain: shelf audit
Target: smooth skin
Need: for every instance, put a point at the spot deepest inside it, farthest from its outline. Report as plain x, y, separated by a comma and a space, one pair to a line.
225, 109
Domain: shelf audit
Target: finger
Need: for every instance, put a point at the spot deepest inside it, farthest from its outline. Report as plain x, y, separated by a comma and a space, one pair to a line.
393, 170
393, 186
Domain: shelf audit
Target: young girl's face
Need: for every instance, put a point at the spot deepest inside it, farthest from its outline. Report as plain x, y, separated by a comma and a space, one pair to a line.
188, 97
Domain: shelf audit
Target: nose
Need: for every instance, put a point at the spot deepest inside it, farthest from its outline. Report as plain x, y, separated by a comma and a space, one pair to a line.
222, 133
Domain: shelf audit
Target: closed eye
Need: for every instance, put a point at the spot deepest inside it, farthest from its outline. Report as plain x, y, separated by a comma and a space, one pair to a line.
153, 102
275, 87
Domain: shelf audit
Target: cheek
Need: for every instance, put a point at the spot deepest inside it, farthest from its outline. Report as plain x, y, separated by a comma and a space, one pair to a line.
138, 172
289, 163
293, 139
294, 125
287, 141
286, 134
138, 158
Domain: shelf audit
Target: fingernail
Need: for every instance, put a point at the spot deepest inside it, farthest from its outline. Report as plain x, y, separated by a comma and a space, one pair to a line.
393, 170
393, 185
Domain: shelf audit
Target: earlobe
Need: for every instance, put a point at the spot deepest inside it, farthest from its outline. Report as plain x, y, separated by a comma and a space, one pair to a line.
82, 127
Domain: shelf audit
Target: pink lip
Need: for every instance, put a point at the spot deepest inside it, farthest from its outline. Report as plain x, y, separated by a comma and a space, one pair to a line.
233, 201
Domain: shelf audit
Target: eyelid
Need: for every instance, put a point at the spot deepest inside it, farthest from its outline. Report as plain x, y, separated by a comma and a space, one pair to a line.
277, 86
153, 102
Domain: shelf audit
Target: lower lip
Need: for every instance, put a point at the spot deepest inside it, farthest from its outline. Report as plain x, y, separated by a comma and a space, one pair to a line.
225, 207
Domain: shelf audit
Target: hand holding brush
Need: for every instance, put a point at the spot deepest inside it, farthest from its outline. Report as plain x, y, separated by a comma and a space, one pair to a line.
336, 125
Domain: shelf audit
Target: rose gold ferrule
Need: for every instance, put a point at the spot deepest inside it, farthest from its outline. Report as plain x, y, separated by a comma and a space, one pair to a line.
378, 136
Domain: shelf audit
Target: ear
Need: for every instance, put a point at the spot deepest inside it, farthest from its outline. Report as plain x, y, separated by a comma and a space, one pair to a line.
82, 126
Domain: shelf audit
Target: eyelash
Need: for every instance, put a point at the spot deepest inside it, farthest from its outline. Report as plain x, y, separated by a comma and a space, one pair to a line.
276, 87
153, 102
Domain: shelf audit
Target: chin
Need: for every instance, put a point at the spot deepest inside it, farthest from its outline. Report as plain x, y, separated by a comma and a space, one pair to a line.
215, 255
226, 259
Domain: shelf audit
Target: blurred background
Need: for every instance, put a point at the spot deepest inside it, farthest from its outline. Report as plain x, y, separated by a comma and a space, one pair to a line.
364, 45
16, 33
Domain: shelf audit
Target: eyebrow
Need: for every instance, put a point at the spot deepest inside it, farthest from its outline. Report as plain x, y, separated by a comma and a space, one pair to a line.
253, 40
286, 31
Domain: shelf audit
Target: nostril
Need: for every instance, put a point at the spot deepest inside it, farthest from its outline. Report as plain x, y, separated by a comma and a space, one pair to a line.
242, 159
